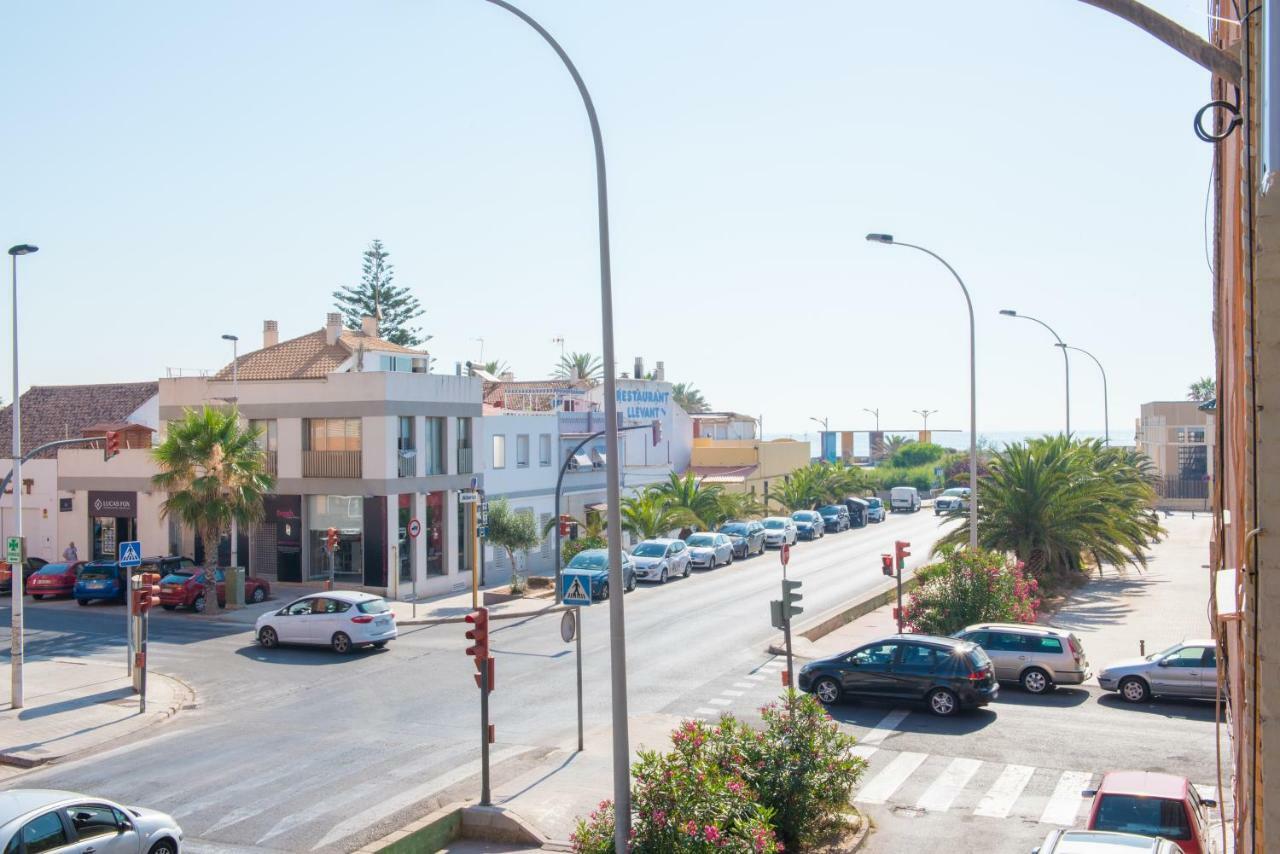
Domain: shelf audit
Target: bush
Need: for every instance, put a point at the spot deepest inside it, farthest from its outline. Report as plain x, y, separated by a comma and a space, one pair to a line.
727, 787
570, 548
887, 477
916, 454
971, 587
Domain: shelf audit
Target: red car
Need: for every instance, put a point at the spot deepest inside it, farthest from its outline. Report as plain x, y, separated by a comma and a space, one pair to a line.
183, 587
54, 579
1152, 804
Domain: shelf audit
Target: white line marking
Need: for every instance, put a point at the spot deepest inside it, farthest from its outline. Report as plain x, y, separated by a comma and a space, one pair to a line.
1004, 791
729, 693
952, 780
720, 701
888, 726
1064, 803
758, 677
864, 750
705, 711
743, 685
882, 786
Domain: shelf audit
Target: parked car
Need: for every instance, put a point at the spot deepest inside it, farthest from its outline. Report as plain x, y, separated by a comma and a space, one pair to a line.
595, 564
953, 500
101, 580
29, 567
1187, 669
904, 499
50, 820
340, 619
1101, 841
1151, 804
857, 509
183, 587
707, 550
809, 524
946, 673
875, 509
659, 559
54, 579
779, 530
1038, 657
835, 517
747, 537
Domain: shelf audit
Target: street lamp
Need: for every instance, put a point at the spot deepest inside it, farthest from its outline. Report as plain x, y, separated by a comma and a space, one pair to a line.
235, 367
1106, 417
876, 413
617, 632
925, 413
15, 602
822, 453
1066, 361
973, 383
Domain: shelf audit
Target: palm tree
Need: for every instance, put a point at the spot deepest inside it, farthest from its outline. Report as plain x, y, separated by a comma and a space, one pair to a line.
647, 516
893, 444
1202, 389
1052, 501
214, 472
736, 505
797, 491
686, 492
580, 366
496, 367
689, 398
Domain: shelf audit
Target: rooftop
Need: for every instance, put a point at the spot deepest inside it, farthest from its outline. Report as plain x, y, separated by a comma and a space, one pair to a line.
52, 412
307, 357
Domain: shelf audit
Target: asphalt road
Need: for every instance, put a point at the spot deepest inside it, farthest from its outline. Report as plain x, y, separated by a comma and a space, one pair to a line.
299, 749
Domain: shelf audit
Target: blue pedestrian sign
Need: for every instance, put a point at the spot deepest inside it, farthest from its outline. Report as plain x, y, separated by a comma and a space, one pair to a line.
575, 588
131, 553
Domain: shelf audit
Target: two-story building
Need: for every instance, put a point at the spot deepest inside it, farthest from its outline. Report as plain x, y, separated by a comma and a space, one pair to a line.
1178, 437
728, 452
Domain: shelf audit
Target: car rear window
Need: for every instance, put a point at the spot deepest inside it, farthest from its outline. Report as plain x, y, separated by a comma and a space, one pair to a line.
92, 572
373, 606
176, 578
1045, 644
52, 569
1149, 816
978, 658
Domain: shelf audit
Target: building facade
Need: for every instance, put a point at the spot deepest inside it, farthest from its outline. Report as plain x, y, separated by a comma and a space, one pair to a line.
1178, 437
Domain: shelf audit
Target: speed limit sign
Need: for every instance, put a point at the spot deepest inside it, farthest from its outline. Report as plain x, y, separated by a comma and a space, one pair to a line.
785, 554
415, 527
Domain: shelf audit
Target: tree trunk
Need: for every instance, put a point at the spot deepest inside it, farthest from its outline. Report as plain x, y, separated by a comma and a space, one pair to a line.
211, 606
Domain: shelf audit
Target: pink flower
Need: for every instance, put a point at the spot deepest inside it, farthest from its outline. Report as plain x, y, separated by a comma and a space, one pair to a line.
710, 833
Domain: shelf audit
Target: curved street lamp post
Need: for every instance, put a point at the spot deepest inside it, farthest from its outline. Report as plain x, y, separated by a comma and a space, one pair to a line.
1066, 362
16, 594
1106, 415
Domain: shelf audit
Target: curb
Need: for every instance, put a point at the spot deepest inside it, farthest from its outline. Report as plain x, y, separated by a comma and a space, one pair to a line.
842, 615
517, 615
459, 820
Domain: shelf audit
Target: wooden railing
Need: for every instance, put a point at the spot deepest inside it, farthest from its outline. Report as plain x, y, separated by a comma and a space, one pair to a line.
271, 462
331, 464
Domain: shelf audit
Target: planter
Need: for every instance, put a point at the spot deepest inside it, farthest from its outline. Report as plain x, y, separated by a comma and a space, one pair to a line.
492, 598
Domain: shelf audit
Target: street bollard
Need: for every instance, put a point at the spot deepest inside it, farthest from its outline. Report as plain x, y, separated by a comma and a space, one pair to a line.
1142, 647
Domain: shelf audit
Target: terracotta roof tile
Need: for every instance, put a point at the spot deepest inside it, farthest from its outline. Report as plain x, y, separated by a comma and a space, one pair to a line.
51, 412
307, 357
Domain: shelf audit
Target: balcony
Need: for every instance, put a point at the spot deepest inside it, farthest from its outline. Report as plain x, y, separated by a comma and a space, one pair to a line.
407, 463
270, 462
464, 461
331, 464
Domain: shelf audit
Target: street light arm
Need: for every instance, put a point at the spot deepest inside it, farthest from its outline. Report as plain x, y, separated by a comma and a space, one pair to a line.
1066, 361
40, 449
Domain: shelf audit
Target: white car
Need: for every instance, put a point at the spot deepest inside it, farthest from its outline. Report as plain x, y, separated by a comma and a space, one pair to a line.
341, 619
779, 530
707, 551
52, 820
904, 499
660, 559
953, 500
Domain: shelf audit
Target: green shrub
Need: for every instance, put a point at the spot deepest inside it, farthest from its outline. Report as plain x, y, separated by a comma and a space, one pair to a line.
971, 587
916, 454
885, 478
570, 548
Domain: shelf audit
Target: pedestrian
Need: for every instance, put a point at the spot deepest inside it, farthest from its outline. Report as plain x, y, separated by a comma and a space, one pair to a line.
70, 555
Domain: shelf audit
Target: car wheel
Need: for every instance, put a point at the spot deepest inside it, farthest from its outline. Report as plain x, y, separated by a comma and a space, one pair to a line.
662, 576
268, 638
37, 595
1134, 690
168, 607
826, 690
258, 595
82, 601
341, 643
198, 605
729, 562
630, 584
688, 568
164, 846
943, 702
1036, 681
379, 644
604, 591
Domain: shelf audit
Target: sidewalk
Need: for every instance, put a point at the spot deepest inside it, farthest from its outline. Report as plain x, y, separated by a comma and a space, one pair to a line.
76, 706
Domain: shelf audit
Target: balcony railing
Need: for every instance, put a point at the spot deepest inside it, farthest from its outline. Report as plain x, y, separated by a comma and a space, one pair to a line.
464, 461
271, 461
407, 463
331, 464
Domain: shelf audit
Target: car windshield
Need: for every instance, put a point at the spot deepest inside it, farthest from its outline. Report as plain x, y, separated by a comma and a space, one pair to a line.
52, 569
774, 524
589, 561
92, 572
872, 502
702, 540
956, 491
801, 516
734, 530
176, 577
373, 606
1149, 816
649, 550
978, 657
829, 510
1162, 653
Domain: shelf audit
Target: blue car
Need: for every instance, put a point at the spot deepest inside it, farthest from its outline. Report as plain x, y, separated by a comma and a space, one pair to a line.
809, 524
594, 563
100, 579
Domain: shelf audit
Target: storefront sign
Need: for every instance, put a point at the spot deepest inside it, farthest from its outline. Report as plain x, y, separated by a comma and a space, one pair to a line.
113, 504
636, 404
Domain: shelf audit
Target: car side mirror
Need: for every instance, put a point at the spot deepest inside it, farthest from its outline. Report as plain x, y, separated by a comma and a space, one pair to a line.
124, 827
1164, 662
1209, 803
1089, 793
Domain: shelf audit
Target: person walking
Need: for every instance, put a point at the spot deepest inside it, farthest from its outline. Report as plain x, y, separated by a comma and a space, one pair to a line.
70, 555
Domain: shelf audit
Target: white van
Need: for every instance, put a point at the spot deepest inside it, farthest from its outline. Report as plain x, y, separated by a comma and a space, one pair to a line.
904, 498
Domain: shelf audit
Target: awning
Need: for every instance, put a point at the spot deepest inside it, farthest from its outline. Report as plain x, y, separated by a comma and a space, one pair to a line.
723, 474
581, 461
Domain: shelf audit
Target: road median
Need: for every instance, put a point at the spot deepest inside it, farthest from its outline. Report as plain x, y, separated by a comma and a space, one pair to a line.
807, 632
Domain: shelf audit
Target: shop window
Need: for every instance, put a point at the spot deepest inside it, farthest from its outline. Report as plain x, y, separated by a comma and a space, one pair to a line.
405, 550
346, 514
433, 530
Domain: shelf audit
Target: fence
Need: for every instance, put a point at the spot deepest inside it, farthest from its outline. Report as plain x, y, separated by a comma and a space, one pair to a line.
1184, 487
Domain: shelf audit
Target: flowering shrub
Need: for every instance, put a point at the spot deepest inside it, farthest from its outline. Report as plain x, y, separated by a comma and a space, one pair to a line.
971, 587
727, 787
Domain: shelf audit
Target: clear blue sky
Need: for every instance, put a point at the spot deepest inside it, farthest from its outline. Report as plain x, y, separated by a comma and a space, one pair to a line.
191, 169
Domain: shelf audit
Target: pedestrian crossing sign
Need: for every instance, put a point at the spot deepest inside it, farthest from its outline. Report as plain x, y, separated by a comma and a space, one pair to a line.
130, 553
575, 588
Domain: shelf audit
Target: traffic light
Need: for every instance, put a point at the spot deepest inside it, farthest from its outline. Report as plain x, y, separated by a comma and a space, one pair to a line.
564, 525
142, 600
657, 432
112, 446
331, 539
900, 551
790, 596
886, 564
479, 618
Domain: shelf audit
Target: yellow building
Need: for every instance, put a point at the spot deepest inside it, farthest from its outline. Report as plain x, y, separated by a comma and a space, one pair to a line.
727, 452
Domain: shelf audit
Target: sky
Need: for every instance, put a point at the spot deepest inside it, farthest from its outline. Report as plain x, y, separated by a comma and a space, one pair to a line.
192, 169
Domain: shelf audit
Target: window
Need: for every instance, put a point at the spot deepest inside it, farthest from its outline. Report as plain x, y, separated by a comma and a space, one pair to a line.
1005, 642
44, 833
433, 446
331, 434
402, 364
982, 639
267, 437
405, 440
1189, 435
918, 659
1188, 656
522, 451
1210, 657
1045, 644
878, 655
1193, 461
297, 609
92, 820
465, 463
499, 460
544, 449
407, 457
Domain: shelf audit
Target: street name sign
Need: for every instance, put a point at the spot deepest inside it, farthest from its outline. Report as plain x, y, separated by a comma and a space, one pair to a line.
468, 497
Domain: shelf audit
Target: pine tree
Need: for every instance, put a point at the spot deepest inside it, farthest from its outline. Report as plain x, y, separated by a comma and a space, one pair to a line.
377, 296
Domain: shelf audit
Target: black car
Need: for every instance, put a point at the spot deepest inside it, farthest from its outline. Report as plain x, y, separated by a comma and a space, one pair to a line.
747, 537
29, 568
946, 673
836, 517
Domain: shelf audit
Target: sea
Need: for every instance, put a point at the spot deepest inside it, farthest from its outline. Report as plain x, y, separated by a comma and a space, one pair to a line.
958, 440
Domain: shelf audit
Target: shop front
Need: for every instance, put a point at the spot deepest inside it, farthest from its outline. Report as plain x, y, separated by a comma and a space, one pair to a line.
114, 516
361, 554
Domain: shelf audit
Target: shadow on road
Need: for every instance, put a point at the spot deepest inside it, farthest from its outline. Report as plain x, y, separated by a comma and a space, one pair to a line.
1192, 710
1107, 601
868, 713
1059, 698
316, 655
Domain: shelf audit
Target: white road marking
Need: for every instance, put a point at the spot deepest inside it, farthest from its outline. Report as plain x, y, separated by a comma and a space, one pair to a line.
758, 677
943, 790
1004, 791
1064, 803
354, 794
864, 750
882, 786
729, 693
705, 711
720, 701
887, 726
743, 685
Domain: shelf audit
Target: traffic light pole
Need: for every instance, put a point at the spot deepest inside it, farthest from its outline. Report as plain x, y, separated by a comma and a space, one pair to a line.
899, 576
484, 734
144, 625
577, 624
786, 630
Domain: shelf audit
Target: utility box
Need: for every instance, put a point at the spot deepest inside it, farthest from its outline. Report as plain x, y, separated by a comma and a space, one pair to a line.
235, 586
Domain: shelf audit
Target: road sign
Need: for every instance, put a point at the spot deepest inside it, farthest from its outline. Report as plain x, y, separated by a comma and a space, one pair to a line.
14, 550
131, 553
784, 554
568, 627
482, 531
468, 497
575, 588
415, 528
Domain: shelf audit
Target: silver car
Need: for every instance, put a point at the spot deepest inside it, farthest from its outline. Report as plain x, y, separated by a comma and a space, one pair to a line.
1101, 841
707, 551
779, 530
1187, 669
660, 559
953, 500
48, 820
1037, 657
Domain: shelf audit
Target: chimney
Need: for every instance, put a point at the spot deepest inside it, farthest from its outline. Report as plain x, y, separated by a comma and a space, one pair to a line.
270, 333
369, 325
332, 328
639, 372
660, 372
